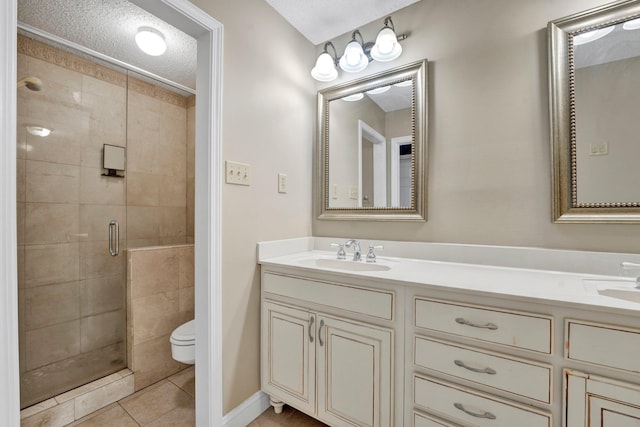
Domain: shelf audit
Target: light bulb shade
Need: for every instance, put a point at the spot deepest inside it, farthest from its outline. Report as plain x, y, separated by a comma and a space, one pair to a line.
354, 59
151, 41
634, 24
354, 97
591, 36
387, 47
325, 69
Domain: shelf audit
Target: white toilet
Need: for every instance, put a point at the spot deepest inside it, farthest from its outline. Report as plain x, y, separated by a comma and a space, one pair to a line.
183, 343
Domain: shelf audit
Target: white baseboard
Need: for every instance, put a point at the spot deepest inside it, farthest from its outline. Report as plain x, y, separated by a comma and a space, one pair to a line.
247, 411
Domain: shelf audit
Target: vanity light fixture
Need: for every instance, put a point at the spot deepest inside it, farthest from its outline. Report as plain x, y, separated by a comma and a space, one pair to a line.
378, 90
151, 41
387, 47
354, 59
634, 24
325, 69
591, 36
354, 97
358, 54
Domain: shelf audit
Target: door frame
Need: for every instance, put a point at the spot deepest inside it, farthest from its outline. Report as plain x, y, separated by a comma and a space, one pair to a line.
208, 199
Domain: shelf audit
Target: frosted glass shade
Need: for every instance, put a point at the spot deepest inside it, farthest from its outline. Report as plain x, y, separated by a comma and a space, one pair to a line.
325, 69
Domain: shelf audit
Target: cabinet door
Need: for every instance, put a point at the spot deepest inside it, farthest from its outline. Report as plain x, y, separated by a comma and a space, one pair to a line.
288, 356
607, 413
355, 373
601, 402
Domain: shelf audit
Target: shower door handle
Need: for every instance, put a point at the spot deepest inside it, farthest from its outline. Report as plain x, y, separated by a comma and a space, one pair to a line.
114, 238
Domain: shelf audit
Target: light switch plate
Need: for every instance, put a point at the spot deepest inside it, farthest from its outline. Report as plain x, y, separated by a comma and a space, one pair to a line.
237, 173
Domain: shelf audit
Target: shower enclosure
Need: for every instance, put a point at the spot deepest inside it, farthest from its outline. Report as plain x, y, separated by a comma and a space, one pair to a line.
71, 275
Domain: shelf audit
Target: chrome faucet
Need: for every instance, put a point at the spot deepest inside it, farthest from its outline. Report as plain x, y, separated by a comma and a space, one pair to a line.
357, 254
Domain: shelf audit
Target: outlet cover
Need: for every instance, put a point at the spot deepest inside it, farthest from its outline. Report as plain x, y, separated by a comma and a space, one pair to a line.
283, 183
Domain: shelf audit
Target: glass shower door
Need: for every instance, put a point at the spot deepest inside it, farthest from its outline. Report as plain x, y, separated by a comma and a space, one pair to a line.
72, 314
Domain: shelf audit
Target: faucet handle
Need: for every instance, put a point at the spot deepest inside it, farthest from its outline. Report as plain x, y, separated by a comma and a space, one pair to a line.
371, 257
341, 253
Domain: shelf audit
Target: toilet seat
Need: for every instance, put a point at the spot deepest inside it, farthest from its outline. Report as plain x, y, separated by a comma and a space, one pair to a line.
184, 334
183, 343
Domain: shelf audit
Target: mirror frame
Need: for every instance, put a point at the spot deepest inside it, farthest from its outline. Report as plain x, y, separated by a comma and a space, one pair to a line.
565, 206
417, 72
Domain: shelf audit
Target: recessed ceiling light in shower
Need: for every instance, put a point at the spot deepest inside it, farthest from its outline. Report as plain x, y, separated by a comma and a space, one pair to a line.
151, 41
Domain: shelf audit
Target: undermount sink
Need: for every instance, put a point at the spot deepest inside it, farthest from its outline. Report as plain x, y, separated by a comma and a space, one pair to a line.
620, 289
346, 265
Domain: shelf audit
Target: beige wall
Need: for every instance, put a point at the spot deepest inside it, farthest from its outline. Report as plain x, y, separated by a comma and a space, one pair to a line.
489, 165
268, 120
489, 172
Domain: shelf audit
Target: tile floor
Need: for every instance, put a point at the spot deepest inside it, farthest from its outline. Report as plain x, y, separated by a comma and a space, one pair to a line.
171, 402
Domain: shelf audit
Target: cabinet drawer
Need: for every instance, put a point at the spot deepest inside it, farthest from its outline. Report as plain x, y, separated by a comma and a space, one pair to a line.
345, 297
475, 408
491, 369
520, 330
422, 420
606, 345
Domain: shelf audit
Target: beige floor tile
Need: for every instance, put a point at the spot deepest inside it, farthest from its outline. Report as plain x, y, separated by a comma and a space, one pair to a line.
179, 417
186, 380
289, 417
150, 404
111, 416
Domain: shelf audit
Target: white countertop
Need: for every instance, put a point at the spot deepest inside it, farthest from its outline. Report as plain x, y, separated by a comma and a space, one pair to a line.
563, 287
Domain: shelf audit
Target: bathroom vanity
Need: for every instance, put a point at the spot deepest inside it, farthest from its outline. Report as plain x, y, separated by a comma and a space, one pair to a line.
417, 339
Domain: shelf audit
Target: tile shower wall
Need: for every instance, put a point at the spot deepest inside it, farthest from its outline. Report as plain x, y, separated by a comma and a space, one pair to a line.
157, 166
71, 292
159, 299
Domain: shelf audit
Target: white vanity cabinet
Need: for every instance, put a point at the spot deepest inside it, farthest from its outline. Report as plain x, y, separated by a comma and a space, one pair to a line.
440, 355
597, 401
333, 367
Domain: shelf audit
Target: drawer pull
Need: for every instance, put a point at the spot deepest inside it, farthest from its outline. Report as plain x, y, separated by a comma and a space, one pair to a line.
320, 333
470, 368
311, 329
487, 415
464, 321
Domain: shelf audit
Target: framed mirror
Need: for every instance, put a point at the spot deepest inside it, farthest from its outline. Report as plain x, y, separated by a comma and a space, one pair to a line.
372, 147
594, 78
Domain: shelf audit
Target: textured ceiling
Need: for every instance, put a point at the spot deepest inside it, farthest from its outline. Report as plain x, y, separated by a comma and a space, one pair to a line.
322, 20
108, 27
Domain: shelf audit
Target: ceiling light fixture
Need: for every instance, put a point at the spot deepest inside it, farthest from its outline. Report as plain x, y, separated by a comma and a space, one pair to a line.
151, 41
358, 54
38, 131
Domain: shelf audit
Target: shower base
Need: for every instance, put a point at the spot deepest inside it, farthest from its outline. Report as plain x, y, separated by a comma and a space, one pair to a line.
41, 383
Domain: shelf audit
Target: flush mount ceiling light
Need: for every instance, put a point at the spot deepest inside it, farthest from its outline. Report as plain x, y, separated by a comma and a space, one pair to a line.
358, 54
38, 131
591, 36
151, 41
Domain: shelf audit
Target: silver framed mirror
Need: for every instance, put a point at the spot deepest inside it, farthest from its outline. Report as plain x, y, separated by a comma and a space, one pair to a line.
594, 82
372, 147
